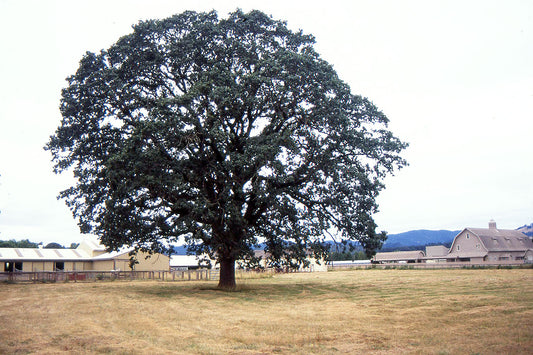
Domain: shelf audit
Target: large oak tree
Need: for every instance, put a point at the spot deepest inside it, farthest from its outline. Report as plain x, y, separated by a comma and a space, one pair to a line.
224, 133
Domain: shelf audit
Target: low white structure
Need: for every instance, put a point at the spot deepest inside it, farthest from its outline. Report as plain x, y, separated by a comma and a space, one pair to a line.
184, 262
349, 263
402, 257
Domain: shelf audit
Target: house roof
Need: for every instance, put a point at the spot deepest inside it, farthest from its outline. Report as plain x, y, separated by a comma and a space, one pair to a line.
502, 239
399, 255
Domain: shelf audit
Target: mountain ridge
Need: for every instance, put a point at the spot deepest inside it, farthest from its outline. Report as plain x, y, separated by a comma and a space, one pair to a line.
414, 239
526, 229
419, 237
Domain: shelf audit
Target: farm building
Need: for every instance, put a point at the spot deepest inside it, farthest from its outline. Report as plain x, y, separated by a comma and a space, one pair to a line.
414, 256
478, 245
436, 253
472, 245
88, 256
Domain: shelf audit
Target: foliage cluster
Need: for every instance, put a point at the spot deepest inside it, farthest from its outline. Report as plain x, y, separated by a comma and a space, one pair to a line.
25, 243
347, 255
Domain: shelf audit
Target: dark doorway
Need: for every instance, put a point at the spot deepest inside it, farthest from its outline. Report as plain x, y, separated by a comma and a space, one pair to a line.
10, 266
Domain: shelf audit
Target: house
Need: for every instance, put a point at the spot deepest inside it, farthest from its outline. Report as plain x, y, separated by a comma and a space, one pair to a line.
413, 256
88, 256
479, 245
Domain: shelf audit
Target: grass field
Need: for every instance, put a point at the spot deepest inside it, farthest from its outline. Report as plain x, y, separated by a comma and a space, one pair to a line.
356, 312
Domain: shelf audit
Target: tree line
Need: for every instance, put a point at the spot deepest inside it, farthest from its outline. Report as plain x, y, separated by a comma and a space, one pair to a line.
25, 243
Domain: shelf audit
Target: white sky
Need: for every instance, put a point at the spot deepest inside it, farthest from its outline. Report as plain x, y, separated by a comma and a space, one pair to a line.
455, 79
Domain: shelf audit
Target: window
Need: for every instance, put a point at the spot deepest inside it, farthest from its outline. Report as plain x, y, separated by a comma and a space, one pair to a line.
59, 266
467, 236
478, 246
458, 247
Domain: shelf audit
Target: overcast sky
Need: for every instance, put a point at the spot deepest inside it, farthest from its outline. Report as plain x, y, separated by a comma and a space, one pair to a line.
455, 79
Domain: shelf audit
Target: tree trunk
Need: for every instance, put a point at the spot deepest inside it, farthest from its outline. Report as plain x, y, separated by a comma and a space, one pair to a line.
227, 274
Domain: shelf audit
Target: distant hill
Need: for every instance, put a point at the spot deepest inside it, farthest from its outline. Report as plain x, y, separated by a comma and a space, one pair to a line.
527, 229
404, 241
416, 239
420, 237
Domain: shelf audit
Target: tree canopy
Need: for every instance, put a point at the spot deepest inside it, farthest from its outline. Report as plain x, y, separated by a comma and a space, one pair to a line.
53, 245
23, 243
224, 133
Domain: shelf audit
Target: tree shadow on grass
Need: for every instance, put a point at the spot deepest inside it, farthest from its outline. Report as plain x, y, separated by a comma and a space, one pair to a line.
266, 291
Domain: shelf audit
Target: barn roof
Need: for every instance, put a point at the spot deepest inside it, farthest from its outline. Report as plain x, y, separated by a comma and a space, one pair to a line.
502, 239
42, 254
84, 252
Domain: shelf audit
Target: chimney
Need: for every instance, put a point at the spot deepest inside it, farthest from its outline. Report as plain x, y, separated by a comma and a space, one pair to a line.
492, 224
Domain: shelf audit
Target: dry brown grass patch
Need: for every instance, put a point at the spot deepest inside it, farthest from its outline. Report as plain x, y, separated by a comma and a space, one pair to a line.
363, 311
